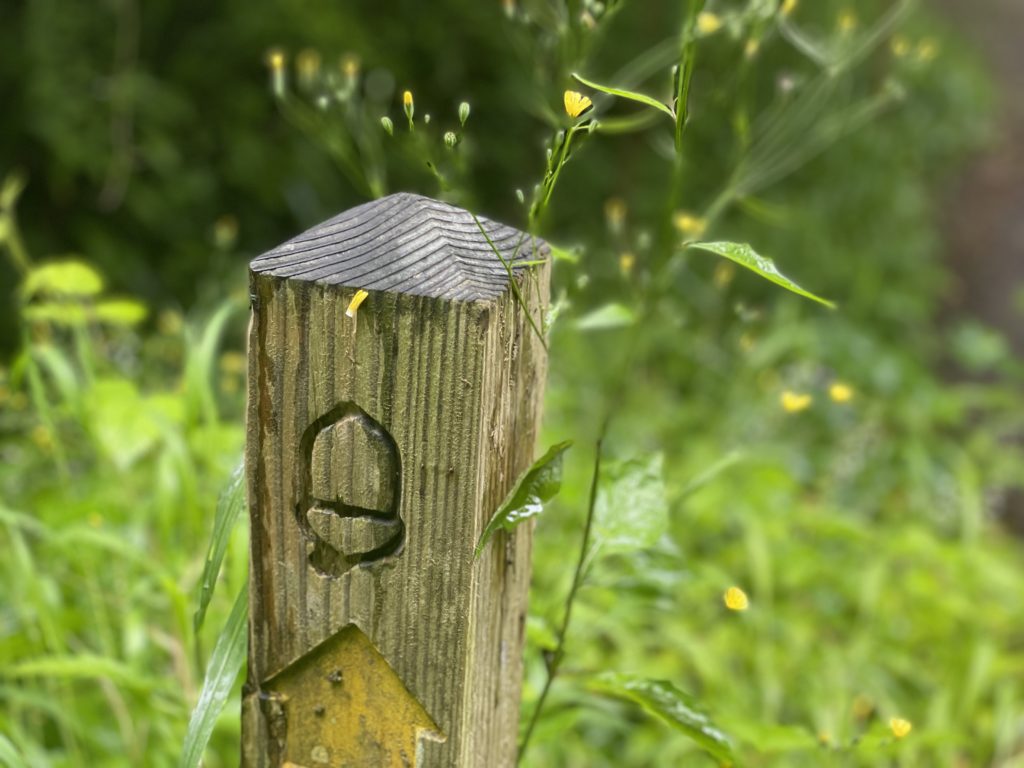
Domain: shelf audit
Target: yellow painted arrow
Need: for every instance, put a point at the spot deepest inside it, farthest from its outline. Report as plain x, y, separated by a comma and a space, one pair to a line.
344, 706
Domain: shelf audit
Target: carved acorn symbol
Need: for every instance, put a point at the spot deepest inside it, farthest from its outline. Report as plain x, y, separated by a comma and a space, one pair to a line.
350, 506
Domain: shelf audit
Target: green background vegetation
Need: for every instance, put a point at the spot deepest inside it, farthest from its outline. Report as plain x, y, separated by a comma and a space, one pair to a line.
146, 142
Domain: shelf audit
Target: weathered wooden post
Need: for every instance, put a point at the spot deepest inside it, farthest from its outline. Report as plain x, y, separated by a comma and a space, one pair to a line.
381, 439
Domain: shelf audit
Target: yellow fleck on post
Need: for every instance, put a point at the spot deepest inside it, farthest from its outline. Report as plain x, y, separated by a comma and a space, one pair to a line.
576, 103
736, 599
794, 402
708, 23
840, 392
900, 727
689, 223
353, 306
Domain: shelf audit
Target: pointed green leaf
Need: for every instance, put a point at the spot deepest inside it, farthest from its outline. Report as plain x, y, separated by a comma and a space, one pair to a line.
70, 277
221, 673
745, 256
624, 94
663, 700
609, 316
121, 311
631, 511
229, 508
534, 487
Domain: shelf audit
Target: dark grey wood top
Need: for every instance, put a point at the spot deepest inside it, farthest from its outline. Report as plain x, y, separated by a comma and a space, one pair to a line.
405, 243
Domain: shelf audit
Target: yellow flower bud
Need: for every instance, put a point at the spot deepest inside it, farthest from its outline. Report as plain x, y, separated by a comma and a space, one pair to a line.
794, 402
736, 599
900, 727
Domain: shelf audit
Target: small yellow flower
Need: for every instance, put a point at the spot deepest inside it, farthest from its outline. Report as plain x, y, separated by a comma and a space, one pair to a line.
840, 392
824, 738
927, 49
724, 273
308, 64
615, 212
752, 46
350, 65
900, 727
736, 599
708, 23
689, 224
626, 262
847, 21
794, 402
359, 298
275, 59
900, 46
407, 99
233, 363
576, 103
788, 6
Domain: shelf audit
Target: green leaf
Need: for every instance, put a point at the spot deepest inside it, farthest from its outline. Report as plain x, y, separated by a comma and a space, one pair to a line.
631, 512
121, 312
59, 313
663, 700
631, 95
9, 755
122, 423
609, 316
745, 256
221, 673
82, 666
71, 277
534, 487
229, 508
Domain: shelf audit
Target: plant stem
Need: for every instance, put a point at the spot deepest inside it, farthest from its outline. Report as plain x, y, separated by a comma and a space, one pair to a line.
577, 581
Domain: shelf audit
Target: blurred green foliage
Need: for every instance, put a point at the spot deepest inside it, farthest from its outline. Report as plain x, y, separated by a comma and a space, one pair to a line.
817, 460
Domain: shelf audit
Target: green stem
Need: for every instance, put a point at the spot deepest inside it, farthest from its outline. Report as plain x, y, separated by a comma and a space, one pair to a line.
577, 581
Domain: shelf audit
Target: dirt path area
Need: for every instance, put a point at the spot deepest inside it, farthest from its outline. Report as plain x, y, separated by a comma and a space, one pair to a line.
985, 236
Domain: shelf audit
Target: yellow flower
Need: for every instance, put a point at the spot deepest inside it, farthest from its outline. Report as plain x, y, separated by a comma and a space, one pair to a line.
350, 65
308, 64
840, 392
723, 274
626, 262
900, 46
736, 599
708, 23
576, 103
407, 99
275, 59
847, 21
752, 46
927, 49
788, 6
359, 298
615, 212
689, 224
794, 402
900, 727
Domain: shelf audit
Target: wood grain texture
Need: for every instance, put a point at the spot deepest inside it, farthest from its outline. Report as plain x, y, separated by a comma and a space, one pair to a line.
378, 447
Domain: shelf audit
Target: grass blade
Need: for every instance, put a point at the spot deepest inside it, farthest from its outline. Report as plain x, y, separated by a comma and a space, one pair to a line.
624, 94
229, 507
221, 673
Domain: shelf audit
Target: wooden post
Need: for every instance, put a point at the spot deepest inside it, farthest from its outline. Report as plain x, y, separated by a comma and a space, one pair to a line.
379, 445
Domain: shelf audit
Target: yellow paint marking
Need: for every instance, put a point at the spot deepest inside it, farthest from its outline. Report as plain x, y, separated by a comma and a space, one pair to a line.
344, 705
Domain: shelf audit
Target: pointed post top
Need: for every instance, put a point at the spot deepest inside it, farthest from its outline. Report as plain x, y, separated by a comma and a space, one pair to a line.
406, 243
